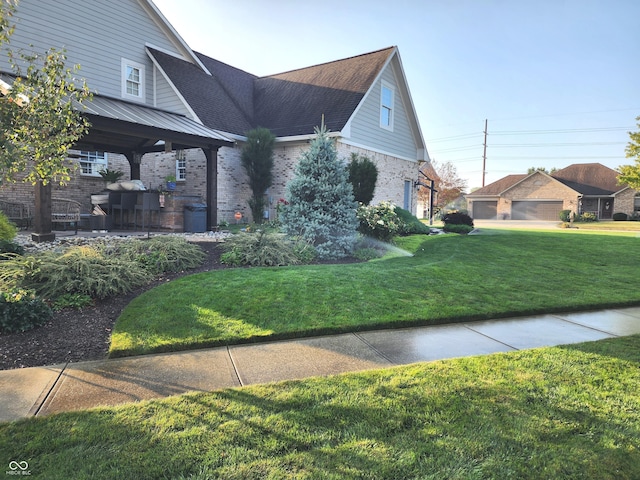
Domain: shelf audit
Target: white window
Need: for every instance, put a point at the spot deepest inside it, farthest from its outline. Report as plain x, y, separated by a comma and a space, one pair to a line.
181, 165
132, 80
387, 95
92, 162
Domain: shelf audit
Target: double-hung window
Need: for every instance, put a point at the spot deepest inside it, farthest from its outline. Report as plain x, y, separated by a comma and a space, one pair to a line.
387, 95
92, 162
181, 165
132, 80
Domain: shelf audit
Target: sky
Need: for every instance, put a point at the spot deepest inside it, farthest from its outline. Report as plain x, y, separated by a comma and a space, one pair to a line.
557, 81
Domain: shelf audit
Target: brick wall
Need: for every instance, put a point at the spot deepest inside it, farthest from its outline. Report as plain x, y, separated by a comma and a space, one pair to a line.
539, 187
233, 188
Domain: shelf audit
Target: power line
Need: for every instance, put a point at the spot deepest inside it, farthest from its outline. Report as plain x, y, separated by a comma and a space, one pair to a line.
568, 130
577, 144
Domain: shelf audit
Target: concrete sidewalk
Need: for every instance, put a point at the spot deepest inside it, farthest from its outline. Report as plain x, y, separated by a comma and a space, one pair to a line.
45, 390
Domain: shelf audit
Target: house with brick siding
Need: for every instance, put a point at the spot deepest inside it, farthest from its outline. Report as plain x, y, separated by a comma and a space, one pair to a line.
160, 109
581, 187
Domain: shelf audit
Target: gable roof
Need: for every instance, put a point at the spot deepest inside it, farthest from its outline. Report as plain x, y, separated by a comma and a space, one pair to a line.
499, 186
584, 178
294, 102
289, 104
589, 178
215, 98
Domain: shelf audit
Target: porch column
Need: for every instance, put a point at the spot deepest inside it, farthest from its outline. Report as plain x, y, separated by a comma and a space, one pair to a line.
135, 159
42, 216
211, 154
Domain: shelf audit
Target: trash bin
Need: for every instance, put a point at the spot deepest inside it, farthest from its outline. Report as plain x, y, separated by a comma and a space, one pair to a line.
195, 217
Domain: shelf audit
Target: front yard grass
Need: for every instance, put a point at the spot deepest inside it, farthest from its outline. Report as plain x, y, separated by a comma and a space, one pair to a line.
450, 278
570, 412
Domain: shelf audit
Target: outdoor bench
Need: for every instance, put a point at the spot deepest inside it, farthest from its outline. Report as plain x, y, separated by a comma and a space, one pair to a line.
65, 212
17, 212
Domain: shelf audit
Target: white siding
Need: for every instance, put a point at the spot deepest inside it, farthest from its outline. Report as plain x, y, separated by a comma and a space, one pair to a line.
366, 129
95, 34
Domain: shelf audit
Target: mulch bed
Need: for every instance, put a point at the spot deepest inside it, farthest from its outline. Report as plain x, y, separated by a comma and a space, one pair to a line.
79, 335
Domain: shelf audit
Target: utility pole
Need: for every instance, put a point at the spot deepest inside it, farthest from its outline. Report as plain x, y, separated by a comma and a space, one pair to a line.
484, 153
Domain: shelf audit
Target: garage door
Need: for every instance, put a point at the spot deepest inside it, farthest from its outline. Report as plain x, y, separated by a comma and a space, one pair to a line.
536, 210
485, 210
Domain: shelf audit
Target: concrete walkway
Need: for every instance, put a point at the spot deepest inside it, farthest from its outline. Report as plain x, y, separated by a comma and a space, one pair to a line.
75, 386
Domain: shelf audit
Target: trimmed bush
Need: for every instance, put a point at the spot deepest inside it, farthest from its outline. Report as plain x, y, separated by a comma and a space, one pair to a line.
263, 249
460, 228
378, 221
588, 217
8, 230
457, 218
409, 223
565, 215
21, 310
620, 217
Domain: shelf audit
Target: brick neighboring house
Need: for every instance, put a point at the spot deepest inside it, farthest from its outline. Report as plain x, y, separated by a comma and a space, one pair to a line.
581, 187
161, 109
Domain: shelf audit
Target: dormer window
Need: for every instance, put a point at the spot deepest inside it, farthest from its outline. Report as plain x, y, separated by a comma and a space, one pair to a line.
132, 80
387, 94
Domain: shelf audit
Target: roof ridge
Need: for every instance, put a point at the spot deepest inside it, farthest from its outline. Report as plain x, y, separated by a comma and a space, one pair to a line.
329, 62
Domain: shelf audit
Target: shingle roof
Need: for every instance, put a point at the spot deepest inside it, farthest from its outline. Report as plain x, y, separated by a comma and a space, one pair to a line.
589, 178
499, 186
208, 95
293, 103
289, 103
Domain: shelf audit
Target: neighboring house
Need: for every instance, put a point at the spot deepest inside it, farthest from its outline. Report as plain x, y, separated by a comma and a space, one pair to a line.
589, 187
160, 108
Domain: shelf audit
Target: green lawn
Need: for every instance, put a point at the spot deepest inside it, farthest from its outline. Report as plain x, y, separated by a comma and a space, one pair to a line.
569, 412
450, 278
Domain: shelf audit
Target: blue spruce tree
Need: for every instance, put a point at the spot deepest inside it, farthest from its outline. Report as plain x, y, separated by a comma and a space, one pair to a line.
321, 207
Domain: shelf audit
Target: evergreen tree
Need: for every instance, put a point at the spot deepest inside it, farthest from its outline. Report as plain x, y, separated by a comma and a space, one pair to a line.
257, 160
363, 175
321, 207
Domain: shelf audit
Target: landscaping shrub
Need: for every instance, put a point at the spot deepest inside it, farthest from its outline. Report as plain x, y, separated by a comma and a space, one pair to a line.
565, 215
457, 218
409, 223
7, 246
8, 230
262, 249
21, 310
588, 217
321, 207
378, 221
457, 228
363, 175
620, 217
83, 270
366, 254
158, 254
76, 301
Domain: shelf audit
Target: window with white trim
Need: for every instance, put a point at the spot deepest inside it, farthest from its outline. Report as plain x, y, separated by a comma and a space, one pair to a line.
181, 165
387, 94
132, 80
92, 162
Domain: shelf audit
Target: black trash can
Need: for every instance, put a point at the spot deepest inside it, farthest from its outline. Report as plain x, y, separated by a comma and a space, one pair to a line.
195, 217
